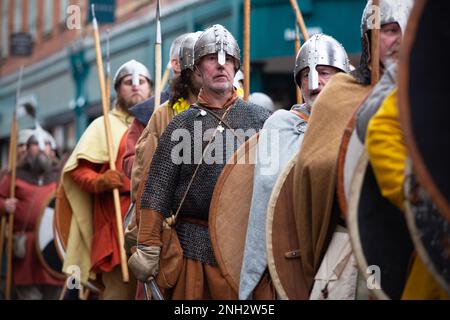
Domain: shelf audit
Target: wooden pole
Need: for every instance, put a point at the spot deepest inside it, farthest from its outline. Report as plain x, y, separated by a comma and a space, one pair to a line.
3, 224
247, 12
10, 228
158, 60
108, 72
63, 292
2, 243
12, 189
112, 165
297, 49
375, 44
165, 78
300, 21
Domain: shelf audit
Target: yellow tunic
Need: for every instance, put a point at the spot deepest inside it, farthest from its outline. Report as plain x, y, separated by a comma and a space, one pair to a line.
387, 151
92, 147
387, 154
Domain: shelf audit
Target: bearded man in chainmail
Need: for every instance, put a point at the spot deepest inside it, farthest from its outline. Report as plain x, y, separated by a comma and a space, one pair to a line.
183, 174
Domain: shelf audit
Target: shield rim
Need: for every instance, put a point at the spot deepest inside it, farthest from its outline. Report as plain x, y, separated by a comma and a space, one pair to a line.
414, 232
340, 174
58, 275
59, 248
281, 292
352, 222
423, 176
250, 144
58, 223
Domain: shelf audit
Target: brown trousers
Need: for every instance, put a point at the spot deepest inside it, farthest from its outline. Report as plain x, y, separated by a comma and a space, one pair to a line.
200, 281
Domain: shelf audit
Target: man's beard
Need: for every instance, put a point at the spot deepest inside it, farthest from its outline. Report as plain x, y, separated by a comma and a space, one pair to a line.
309, 100
131, 102
226, 88
387, 62
38, 164
391, 58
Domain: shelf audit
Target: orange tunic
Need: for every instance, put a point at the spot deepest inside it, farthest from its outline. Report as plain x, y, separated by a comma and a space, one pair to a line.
134, 132
104, 250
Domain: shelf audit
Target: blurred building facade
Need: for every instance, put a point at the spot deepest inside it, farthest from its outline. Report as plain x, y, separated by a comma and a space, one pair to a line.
61, 73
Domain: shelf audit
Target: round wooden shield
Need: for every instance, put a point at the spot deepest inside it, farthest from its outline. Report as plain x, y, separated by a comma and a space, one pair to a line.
423, 99
283, 256
349, 153
380, 239
429, 230
229, 211
61, 228
60, 249
45, 240
63, 219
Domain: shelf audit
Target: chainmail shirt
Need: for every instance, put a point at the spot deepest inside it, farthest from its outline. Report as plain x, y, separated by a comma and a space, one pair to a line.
167, 179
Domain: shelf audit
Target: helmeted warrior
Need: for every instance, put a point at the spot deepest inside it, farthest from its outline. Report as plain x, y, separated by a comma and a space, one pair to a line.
183, 93
380, 125
319, 222
142, 111
394, 17
87, 185
37, 178
183, 174
318, 60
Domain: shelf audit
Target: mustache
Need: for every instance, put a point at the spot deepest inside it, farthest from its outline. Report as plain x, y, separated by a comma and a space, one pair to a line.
393, 50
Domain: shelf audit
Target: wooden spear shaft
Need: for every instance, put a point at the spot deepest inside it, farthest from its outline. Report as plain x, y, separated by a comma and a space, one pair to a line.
12, 194
108, 72
375, 44
165, 78
157, 75
3, 224
112, 165
297, 49
158, 59
12, 190
2, 243
300, 21
247, 12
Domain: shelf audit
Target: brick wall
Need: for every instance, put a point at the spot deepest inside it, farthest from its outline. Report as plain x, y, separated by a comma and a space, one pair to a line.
60, 36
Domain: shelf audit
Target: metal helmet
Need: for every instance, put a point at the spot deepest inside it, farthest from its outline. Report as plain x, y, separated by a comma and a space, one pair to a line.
41, 137
262, 100
174, 51
133, 68
320, 49
390, 11
24, 135
217, 39
187, 50
239, 76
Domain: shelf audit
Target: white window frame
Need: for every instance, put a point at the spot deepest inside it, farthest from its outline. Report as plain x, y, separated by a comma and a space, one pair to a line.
4, 37
17, 26
48, 17
32, 18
